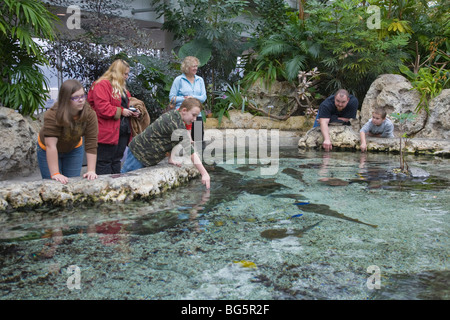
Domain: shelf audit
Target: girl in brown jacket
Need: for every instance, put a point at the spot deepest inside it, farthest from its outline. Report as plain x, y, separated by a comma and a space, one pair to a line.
60, 148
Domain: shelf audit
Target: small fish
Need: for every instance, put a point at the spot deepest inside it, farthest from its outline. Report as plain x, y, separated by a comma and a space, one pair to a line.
361, 176
246, 264
301, 203
296, 216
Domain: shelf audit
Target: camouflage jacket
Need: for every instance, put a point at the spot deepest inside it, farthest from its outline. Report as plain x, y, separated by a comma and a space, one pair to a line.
151, 146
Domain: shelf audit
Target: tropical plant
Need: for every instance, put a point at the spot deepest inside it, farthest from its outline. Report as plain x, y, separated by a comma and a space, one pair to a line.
211, 24
351, 54
23, 85
334, 37
231, 98
280, 56
401, 119
150, 80
429, 82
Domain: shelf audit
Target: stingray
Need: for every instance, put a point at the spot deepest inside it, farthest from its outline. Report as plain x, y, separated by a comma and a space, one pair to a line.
311, 165
294, 174
283, 233
333, 182
323, 209
294, 196
263, 187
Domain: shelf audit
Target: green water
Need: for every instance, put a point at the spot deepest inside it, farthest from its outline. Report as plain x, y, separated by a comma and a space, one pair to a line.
309, 232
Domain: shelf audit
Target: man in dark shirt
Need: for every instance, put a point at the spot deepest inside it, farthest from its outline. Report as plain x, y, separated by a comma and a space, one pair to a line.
337, 108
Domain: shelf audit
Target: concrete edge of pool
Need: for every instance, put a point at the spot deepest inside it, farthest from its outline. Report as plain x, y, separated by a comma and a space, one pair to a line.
142, 183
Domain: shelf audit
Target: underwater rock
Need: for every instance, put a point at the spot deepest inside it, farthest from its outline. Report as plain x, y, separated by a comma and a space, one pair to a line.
418, 172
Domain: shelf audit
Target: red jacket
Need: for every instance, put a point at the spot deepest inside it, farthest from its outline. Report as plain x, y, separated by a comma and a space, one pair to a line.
108, 111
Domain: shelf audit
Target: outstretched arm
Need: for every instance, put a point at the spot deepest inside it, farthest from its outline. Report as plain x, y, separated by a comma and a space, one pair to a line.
198, 164
325, 133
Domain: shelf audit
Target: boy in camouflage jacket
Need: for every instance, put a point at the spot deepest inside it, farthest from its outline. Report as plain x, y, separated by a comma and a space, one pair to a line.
151, 146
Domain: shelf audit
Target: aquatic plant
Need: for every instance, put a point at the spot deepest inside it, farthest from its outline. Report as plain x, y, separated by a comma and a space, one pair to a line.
401, 119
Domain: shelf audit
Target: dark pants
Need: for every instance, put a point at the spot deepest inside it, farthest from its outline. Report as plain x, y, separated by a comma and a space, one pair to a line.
198, 131
109, 156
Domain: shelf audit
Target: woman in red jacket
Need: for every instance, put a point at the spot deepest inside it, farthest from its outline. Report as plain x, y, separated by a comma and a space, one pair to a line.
109, 98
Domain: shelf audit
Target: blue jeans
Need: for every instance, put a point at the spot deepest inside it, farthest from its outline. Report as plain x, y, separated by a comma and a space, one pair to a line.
316, 122
69, 162
130, 163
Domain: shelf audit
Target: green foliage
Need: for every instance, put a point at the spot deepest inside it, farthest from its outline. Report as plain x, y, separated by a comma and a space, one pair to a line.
211, 21
352, 55
23, 85
231, 98
150, 81
401, 119
280, 56
200, 48
333, 37
429, 82
273, 17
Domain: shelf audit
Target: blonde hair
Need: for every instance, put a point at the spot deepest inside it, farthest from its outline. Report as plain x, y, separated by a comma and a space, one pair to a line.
188, 62
114, 75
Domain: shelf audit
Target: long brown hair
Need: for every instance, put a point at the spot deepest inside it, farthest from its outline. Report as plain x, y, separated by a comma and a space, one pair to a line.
114, 75
64, 114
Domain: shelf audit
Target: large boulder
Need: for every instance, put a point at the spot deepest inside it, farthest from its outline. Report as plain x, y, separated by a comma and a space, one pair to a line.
240, 120
280, 96
393, 93
438, 124
18, 140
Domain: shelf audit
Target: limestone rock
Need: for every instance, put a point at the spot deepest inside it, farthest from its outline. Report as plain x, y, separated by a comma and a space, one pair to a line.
438, 124
280, 95
17, 144
341, 137
240, 120
142, 183
393, 93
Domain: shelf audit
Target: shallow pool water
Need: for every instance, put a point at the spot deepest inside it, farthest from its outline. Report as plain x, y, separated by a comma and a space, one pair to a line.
333, 225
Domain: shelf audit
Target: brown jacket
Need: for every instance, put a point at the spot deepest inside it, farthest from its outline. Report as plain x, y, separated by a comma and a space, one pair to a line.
139, 124
69, 138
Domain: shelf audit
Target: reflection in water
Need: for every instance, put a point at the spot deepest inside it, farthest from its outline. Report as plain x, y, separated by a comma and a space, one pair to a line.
327, 216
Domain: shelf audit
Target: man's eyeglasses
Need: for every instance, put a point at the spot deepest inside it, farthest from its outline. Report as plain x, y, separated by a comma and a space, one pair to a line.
78, 98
